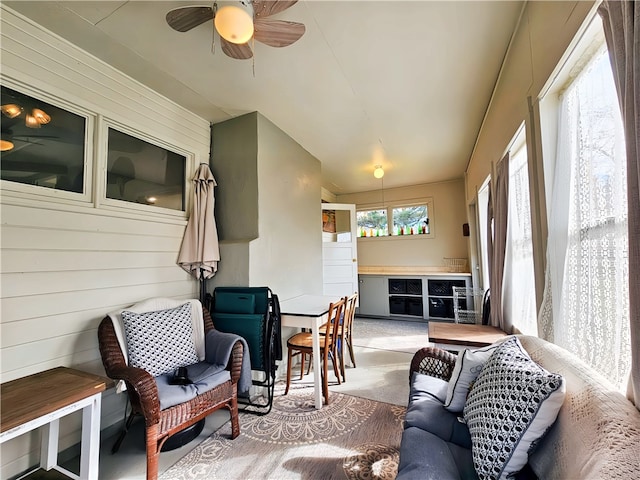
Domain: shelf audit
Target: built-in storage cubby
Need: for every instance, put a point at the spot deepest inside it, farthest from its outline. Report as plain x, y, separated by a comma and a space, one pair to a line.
419, 297
440, 297
405, 297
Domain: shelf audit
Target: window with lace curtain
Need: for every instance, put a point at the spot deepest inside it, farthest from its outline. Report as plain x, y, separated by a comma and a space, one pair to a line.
586, 304
519, 296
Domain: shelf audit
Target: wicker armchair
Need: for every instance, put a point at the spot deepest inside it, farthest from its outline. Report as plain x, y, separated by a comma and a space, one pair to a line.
143, 394
434, 362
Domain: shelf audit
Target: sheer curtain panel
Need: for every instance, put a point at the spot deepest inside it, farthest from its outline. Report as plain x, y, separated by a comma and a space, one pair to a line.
621, 23
518, 293
586, 302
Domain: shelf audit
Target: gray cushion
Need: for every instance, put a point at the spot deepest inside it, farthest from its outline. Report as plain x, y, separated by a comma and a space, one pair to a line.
160, 341
426, 411
424, 455
204, 376
422, 385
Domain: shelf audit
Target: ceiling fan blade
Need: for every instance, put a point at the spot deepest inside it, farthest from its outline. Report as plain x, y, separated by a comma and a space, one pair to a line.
184, 19
267, 8
277, 33
240, 51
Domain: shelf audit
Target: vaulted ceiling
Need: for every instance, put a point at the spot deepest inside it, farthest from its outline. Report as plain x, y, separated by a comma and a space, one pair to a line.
401, 84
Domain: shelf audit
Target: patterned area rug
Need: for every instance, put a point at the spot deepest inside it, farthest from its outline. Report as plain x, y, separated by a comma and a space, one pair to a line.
351, 438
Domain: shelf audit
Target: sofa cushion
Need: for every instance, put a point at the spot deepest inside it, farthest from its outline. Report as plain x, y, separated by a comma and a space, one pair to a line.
424, 455
468, 366
160, 341
205, 376
512, 404
426, 411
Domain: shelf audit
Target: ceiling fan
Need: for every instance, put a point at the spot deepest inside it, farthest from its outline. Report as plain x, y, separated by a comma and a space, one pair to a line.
237, 24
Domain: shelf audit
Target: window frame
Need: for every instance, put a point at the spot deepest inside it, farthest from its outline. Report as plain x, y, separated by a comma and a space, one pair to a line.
126, 206
389, 207
24, 191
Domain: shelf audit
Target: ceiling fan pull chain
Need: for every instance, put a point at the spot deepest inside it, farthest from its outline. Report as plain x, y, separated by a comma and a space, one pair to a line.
253, 57
213, 29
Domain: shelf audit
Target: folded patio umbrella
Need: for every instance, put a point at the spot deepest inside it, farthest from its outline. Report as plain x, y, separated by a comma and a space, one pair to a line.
199, 254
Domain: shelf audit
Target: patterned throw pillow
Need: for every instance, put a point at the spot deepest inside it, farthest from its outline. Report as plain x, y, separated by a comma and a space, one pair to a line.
160, 341
511, 405
467, 368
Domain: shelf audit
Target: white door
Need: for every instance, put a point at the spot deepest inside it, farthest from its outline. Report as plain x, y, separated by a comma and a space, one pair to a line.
339, 249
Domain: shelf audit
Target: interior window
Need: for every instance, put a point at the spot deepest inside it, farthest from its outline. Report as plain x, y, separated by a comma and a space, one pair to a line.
519, 294
483, 213
412, 220
140, 172
42, 145
372, 223
586, 308
396, 219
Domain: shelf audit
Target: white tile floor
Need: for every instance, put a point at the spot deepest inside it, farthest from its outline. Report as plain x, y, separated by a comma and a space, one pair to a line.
380, 375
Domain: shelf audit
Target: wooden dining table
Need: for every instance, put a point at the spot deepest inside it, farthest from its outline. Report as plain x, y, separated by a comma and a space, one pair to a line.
309, 311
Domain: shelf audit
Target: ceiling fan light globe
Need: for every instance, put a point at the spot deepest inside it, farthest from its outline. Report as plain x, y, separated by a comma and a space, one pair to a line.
11, 110
6, 145
31, 121
378, 172
234, 24
41, 116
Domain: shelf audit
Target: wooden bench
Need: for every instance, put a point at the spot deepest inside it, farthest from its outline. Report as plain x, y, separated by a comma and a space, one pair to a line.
457, 336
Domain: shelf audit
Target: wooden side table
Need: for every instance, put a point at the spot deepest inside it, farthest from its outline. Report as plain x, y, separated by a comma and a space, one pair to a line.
457, 336
41, 399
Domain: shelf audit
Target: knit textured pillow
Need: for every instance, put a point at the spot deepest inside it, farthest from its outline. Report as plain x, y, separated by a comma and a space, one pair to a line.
511, 405
160, 341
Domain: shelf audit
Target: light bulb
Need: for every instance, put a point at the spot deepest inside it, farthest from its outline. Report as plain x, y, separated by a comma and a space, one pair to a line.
11, 110
234, 24
31, 121
6, 145
378, 172
41, 117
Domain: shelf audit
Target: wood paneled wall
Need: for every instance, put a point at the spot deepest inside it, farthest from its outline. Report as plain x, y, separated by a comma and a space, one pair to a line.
66, 262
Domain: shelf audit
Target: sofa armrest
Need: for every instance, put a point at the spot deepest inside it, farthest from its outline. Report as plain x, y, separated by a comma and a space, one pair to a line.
434, 362
142, 389
141, 385
235, 361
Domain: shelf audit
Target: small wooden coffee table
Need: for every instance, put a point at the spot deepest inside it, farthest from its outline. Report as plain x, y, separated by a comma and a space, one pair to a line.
457, 336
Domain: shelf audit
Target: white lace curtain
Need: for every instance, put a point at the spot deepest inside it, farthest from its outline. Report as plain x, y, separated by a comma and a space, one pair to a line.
621, 23
586, 302
518, 293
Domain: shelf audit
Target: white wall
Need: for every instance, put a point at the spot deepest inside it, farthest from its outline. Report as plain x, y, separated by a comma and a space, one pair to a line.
268, 208
67, 262
287, 256
445, 220
271, 185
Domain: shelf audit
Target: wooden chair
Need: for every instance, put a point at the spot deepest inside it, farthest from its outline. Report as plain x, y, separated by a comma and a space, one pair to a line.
143, 394
301, 344
347, 337
344, 333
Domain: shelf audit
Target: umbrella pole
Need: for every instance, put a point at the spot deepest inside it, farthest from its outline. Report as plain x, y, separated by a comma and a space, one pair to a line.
203, 286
